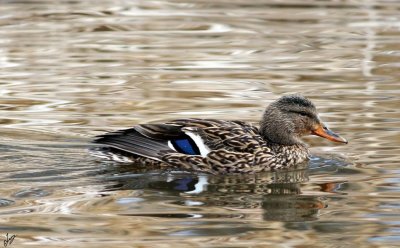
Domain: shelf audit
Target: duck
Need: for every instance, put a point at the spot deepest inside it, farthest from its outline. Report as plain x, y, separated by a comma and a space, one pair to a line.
223, 146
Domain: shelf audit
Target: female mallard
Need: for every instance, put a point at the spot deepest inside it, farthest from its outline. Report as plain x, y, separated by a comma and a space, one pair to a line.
217, 146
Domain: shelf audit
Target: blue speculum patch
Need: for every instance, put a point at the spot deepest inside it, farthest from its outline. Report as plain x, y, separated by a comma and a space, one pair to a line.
186, 146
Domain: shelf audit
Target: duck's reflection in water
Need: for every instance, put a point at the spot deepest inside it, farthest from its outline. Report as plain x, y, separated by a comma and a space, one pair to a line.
285, 203
278, 194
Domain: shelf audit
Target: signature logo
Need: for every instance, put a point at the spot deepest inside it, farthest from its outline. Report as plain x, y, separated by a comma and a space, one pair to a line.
8, 241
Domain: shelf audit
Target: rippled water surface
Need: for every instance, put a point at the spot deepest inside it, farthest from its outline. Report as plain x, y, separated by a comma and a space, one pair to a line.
70, 70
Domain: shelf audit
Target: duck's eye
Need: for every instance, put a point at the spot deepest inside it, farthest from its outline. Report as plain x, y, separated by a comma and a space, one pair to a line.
303, 114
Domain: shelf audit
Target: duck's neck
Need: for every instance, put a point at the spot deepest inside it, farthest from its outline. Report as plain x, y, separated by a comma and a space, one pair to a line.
290, 155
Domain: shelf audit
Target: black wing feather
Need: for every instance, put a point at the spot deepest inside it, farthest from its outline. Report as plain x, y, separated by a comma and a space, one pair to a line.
132, 141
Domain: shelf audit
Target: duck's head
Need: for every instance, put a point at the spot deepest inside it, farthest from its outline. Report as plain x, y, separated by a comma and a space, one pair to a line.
291, 117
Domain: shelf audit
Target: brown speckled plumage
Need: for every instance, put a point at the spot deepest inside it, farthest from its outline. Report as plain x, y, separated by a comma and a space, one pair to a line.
233, 146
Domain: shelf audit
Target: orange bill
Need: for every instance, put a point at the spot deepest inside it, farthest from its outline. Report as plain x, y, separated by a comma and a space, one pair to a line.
324, 132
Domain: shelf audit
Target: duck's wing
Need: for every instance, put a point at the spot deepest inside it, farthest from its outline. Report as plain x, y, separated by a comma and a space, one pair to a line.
154, 140
190, 143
